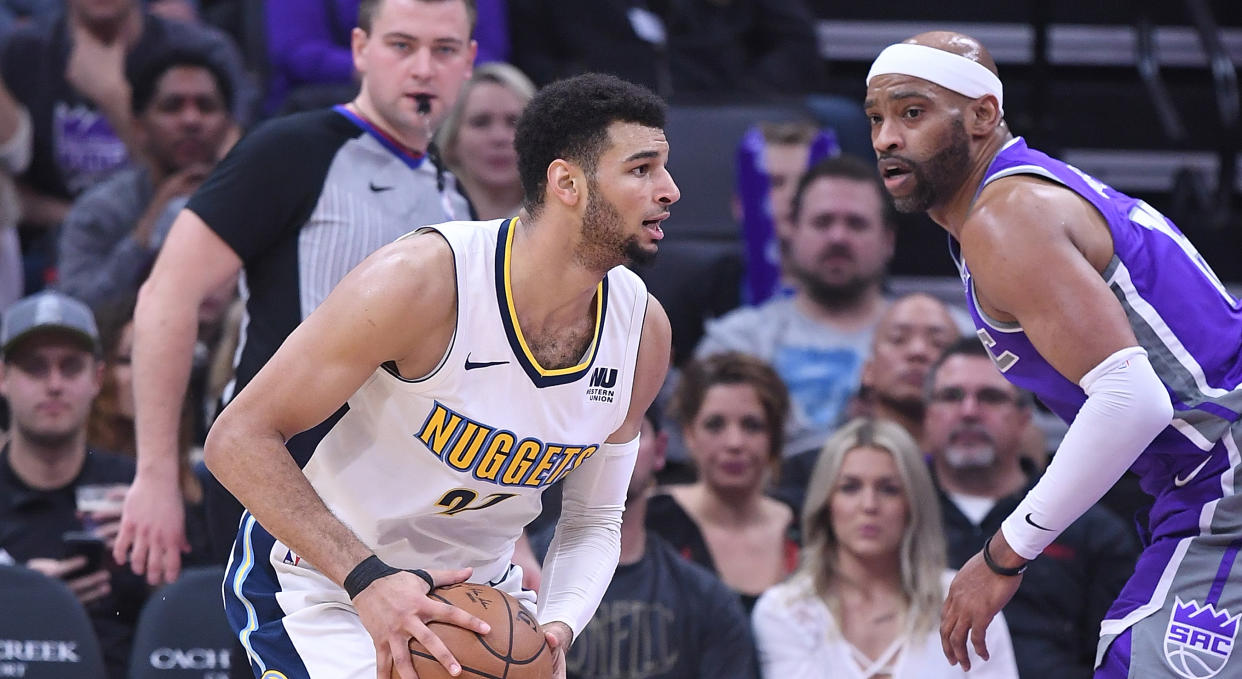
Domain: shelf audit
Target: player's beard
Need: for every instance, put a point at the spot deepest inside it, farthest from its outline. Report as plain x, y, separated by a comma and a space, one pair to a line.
939, 177
604, 242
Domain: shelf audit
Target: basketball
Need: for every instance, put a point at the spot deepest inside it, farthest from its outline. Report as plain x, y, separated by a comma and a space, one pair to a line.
514, 649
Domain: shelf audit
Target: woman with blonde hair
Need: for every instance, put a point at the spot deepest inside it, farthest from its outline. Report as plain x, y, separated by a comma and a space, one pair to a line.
865, 601
476, 138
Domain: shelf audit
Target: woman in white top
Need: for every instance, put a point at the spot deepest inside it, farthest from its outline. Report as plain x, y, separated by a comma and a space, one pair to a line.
865, 601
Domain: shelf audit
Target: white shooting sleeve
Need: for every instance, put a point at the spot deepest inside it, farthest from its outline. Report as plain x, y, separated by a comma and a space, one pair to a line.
1126, 408
584, 552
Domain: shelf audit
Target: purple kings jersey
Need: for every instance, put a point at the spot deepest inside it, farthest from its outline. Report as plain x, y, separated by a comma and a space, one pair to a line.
1189, 324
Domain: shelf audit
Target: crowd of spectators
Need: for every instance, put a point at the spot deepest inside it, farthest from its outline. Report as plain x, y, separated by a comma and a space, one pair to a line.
839, 447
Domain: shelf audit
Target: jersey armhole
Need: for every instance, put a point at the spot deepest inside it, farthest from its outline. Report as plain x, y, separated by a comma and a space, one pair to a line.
631, 358
390, 367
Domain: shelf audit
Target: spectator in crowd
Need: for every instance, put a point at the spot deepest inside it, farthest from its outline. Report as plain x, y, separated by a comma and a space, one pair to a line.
308, 47
975, 424
839, 245
73, 75
696, 47
910, 336
771, 159
50, 374
178, 10
14, 13
662, 617
732, 408
293, 207
865, 601
181, 119
14, 156
476, 138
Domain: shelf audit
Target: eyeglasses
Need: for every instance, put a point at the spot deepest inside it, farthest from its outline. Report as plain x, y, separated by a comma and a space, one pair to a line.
987, 396
40, 367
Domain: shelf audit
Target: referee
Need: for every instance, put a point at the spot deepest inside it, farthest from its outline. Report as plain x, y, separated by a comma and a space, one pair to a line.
292, 208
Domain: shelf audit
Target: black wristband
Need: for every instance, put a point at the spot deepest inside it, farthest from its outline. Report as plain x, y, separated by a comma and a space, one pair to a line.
371, 569
366, 572
997, 568
431, 584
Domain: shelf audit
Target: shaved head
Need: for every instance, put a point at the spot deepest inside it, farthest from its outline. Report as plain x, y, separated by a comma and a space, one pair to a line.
956, 43
950, 82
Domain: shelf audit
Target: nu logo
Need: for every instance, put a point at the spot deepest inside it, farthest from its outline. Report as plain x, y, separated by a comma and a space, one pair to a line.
602, 382
604, 377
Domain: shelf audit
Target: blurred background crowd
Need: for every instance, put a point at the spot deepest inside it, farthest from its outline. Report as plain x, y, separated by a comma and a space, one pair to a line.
832, 436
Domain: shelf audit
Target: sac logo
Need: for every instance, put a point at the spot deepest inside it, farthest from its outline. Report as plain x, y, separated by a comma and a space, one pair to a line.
1199, 639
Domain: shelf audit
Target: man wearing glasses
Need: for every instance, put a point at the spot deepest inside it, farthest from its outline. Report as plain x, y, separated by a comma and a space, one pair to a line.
973, 430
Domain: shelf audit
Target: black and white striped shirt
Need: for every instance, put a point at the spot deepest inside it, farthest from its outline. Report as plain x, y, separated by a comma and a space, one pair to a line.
302, 200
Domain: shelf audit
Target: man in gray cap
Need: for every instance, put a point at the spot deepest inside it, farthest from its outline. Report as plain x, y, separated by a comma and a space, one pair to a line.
50, 373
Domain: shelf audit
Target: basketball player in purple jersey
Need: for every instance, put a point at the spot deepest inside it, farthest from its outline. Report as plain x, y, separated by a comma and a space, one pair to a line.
1102, 307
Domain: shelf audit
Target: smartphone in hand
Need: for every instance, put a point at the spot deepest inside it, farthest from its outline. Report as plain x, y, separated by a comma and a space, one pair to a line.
84, 543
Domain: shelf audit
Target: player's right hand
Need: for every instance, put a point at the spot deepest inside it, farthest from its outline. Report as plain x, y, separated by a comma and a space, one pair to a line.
152, 535
396, 608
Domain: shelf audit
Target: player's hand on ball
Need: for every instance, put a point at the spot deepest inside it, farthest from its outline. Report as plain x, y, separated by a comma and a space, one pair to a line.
396, 608
559, 637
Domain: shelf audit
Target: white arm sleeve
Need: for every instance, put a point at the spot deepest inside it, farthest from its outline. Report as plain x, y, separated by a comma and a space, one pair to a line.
1126, 407
584, 552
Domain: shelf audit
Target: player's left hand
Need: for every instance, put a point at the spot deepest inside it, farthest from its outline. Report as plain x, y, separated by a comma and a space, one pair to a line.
975, 597
559, 636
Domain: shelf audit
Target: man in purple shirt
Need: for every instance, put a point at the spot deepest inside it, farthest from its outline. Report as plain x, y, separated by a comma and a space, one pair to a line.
308, 45
1099, 305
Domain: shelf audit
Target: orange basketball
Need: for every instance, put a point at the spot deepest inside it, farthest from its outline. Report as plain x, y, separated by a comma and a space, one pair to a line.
514, 649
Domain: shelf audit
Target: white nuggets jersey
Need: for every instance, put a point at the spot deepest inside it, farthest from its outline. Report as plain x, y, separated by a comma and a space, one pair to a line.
446, 470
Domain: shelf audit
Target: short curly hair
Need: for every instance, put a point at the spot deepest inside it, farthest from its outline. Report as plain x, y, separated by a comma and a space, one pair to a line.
569, 119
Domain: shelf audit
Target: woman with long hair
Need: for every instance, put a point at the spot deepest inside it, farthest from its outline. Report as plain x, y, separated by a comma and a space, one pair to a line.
732, 409
865, 601
476, 138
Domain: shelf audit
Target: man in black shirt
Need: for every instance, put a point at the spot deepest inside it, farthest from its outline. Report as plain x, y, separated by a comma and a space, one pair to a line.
50, 375
663, 616
973, 430
293, 207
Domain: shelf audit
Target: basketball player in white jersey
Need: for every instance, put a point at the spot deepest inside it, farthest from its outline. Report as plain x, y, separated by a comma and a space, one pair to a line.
441, 387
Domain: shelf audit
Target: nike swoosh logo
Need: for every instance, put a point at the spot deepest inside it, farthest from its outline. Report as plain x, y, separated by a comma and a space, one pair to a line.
1028, 520
471, 365
377, 189
1180, 481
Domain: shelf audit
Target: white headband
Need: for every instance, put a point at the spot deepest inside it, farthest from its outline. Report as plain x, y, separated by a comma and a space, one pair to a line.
946, 69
